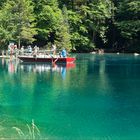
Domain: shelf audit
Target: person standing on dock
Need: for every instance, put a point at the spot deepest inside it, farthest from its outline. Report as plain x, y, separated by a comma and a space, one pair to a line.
35, 52
22, 50
2, 53
29, 49
54, 49
16, 52
11, 50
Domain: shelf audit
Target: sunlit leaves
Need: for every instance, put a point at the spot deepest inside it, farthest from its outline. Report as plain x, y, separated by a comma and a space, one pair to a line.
18, 21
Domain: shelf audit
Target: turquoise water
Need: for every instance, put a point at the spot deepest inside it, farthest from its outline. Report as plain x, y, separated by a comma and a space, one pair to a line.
98, 98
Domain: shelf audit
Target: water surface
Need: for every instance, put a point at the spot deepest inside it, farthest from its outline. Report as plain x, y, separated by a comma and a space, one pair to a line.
97, 98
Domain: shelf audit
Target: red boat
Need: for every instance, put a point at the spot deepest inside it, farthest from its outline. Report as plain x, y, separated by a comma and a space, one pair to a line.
47, 59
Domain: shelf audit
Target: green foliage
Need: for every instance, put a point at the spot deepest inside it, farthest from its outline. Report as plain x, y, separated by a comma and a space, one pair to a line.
129, 29
86, 21
73, 24
78, 31
1, 3
128, 19
17, 22
63, 34
99, 12
52, 24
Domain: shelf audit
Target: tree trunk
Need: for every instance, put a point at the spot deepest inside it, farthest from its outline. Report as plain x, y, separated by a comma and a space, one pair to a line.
93, 36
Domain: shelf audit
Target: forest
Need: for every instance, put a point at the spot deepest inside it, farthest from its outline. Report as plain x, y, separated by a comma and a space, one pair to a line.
77, 25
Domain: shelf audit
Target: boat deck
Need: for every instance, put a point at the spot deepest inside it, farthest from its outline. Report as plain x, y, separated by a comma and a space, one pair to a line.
46, 59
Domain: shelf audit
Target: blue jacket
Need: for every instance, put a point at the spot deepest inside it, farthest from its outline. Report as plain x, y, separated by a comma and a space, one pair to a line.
64, 53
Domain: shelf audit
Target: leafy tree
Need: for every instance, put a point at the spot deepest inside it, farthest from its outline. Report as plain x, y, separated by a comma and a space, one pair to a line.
52, 24
79, 32
17, 23
1, 3
91, 17
127, 21
77, 24
128, 18
63, 34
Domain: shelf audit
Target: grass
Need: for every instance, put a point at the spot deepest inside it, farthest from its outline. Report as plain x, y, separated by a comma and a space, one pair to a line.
32, 133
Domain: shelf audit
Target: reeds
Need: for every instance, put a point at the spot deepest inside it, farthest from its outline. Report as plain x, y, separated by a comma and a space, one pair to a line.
32, 133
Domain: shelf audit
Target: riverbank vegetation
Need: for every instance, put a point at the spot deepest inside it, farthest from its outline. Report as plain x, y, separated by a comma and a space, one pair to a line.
78, 25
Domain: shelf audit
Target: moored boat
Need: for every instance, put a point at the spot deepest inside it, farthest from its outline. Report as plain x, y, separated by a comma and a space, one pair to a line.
46, 59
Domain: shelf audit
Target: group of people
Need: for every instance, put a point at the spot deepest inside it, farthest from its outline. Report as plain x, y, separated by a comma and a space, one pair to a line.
29, 49
13, 50
100, 51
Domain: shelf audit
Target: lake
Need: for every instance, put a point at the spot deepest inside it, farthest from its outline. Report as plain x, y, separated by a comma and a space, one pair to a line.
98, 97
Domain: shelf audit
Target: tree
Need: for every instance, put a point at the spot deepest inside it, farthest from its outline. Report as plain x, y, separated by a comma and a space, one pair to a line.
88, 20
51, 25
18, 21
63, 34
79, 32
1, 3
127, 21
128, 18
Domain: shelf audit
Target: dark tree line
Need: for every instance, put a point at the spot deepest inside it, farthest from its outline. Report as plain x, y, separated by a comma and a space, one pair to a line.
80, 25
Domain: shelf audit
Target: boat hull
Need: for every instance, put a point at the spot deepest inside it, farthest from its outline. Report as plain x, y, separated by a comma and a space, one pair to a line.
47, 60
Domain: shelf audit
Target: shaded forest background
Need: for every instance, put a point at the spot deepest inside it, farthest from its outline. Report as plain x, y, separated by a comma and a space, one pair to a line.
78, 25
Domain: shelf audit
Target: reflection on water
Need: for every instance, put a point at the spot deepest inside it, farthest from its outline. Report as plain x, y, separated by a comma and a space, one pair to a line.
14, 66
26, 90
98, 98
45, 67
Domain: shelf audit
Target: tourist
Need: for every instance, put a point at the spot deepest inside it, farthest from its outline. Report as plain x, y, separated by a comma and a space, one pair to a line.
10, 49
100, 51
2, 53
35, 51
16, 51
22, 50
29, 49
54, 49
36, 48
64, 53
